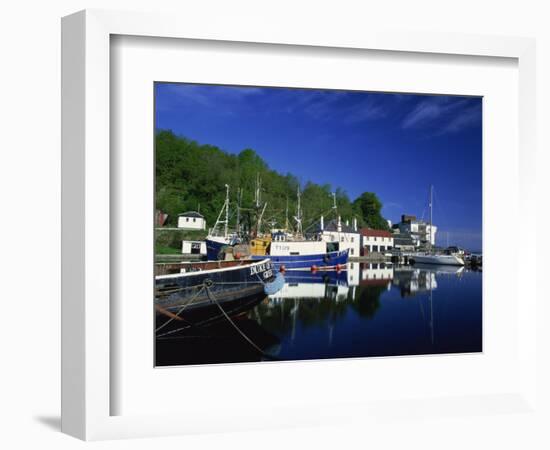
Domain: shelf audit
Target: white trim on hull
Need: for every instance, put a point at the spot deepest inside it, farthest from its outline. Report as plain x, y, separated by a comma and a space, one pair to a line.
448, 260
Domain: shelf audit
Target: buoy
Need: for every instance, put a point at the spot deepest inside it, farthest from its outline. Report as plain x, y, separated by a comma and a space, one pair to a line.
338, 267
282, 268
314, 268
238, 255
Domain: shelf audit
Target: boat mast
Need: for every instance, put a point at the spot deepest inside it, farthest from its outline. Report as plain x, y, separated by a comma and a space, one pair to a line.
431, 215
260, 218
258, 185
226, 208
239, 199
299, 215
286, 214
335, 208
257, 198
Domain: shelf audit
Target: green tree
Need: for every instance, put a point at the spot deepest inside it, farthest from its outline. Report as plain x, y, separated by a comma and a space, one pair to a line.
190, 175
369, 207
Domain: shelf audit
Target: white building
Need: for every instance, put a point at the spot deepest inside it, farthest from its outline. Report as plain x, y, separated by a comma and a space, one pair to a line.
347, 237
419, 230
376, 241
377, 275
191, 220
193, 248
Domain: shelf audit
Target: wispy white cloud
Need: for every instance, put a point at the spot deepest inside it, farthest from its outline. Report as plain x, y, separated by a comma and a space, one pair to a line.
212, 95
446, 114
467, 117
339, 105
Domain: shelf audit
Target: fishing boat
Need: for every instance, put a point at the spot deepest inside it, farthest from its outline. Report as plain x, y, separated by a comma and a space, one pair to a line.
312, 255
433, 257
294, 252
202, 292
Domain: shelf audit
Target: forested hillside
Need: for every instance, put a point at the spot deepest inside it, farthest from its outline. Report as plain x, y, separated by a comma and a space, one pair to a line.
191, 176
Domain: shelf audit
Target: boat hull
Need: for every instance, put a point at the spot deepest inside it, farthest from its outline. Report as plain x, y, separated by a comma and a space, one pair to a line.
196, 296
213, 249
441, 260
321, 261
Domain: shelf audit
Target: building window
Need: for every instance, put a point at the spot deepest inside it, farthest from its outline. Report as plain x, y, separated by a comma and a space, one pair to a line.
342, 239
352, 239
187, 219
352, 251
194, 220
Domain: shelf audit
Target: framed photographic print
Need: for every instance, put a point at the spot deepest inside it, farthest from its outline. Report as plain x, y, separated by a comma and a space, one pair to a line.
305, 246
307, 217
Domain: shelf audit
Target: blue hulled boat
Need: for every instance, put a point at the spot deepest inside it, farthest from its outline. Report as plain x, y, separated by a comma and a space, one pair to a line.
320, 261
205, 291
215, 244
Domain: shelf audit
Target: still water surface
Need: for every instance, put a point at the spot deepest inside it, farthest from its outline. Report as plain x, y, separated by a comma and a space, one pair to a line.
368, 310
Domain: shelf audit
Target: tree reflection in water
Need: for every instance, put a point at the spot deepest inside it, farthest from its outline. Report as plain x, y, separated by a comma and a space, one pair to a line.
364, 311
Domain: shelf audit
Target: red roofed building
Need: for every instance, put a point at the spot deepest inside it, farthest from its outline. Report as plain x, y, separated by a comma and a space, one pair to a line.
375, 241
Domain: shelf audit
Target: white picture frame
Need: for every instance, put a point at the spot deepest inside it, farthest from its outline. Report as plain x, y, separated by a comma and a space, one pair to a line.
86, 245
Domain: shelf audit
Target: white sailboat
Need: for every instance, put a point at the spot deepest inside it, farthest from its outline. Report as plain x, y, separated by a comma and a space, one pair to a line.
432, 257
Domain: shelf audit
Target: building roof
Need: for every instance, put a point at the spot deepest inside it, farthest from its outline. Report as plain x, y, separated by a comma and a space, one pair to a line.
403, 239
332, 225
191, 214
371, 232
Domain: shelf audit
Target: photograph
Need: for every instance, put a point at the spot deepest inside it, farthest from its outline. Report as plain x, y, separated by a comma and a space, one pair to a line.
297, 223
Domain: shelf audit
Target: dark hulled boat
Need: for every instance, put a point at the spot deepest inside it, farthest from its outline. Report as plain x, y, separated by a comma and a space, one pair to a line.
203, 292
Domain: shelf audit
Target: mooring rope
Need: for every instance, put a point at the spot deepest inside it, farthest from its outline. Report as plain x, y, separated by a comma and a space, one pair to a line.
181, 310
214, 300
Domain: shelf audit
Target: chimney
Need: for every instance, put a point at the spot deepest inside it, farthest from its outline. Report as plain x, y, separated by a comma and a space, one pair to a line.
347, 223
322, 223
355, 224
339, 223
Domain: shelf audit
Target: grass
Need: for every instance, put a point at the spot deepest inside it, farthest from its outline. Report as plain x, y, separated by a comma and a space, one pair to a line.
165, 250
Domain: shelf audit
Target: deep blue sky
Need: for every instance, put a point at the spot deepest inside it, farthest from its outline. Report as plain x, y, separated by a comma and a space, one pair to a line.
395, 145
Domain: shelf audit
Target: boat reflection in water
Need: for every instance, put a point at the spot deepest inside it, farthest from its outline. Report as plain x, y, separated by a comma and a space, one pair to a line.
366, 310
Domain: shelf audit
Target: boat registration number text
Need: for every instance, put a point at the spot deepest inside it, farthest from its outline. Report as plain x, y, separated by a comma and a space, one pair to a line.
266, 268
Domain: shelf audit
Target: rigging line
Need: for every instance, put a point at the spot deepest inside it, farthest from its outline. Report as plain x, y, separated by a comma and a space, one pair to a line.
181, 310
314, 222
162, 336
213, 299
169, 291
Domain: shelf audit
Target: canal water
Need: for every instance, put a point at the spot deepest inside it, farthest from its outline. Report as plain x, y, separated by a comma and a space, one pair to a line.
368, 310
